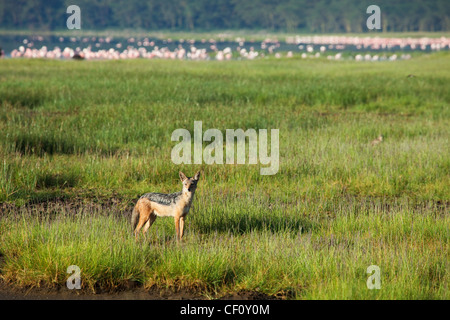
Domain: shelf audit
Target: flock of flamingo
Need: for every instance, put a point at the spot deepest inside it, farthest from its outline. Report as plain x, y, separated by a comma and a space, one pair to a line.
305, 47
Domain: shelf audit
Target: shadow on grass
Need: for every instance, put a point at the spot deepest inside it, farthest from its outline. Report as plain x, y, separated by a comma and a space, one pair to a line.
27, 143
263, 222
23, 98
49, 143
56, 180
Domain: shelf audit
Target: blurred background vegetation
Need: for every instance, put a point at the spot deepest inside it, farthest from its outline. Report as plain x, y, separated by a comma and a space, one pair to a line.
200, 15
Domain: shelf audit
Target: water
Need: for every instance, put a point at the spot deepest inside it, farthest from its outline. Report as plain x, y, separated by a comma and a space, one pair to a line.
306, 45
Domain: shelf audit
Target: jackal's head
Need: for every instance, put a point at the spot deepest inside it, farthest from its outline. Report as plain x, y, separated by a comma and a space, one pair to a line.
189, 184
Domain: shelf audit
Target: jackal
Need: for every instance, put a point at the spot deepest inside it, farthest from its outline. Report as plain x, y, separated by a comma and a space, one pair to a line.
377, 140
175, 205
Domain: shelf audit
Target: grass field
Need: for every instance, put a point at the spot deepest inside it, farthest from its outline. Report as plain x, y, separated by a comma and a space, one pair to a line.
80, 141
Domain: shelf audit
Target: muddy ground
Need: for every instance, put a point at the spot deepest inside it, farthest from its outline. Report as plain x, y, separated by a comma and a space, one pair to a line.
10, 292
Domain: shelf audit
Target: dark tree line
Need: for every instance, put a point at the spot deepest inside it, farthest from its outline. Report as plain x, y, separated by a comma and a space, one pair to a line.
203, 15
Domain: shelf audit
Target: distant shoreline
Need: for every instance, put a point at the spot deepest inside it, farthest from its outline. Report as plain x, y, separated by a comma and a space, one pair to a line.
227, 35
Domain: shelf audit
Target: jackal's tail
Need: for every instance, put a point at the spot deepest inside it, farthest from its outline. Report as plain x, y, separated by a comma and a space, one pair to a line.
134, 218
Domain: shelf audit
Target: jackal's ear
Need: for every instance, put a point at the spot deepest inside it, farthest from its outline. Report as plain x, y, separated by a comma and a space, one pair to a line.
197, 175
182, 176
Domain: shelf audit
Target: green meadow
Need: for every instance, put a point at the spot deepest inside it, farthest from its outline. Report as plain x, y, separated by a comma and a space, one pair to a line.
80, 141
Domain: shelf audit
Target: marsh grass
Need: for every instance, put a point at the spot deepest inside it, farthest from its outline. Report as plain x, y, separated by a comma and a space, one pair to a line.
314, 256
88, 134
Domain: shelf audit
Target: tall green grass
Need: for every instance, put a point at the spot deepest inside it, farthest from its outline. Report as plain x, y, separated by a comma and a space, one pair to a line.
74, 134
226, 251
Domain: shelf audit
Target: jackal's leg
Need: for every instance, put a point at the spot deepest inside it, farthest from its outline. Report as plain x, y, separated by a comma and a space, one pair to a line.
181, 227
177, 227
145, 210
149, 222
138, 228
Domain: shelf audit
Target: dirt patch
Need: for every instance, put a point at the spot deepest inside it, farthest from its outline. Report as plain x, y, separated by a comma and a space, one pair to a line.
70, 206
253, 295
9, 292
